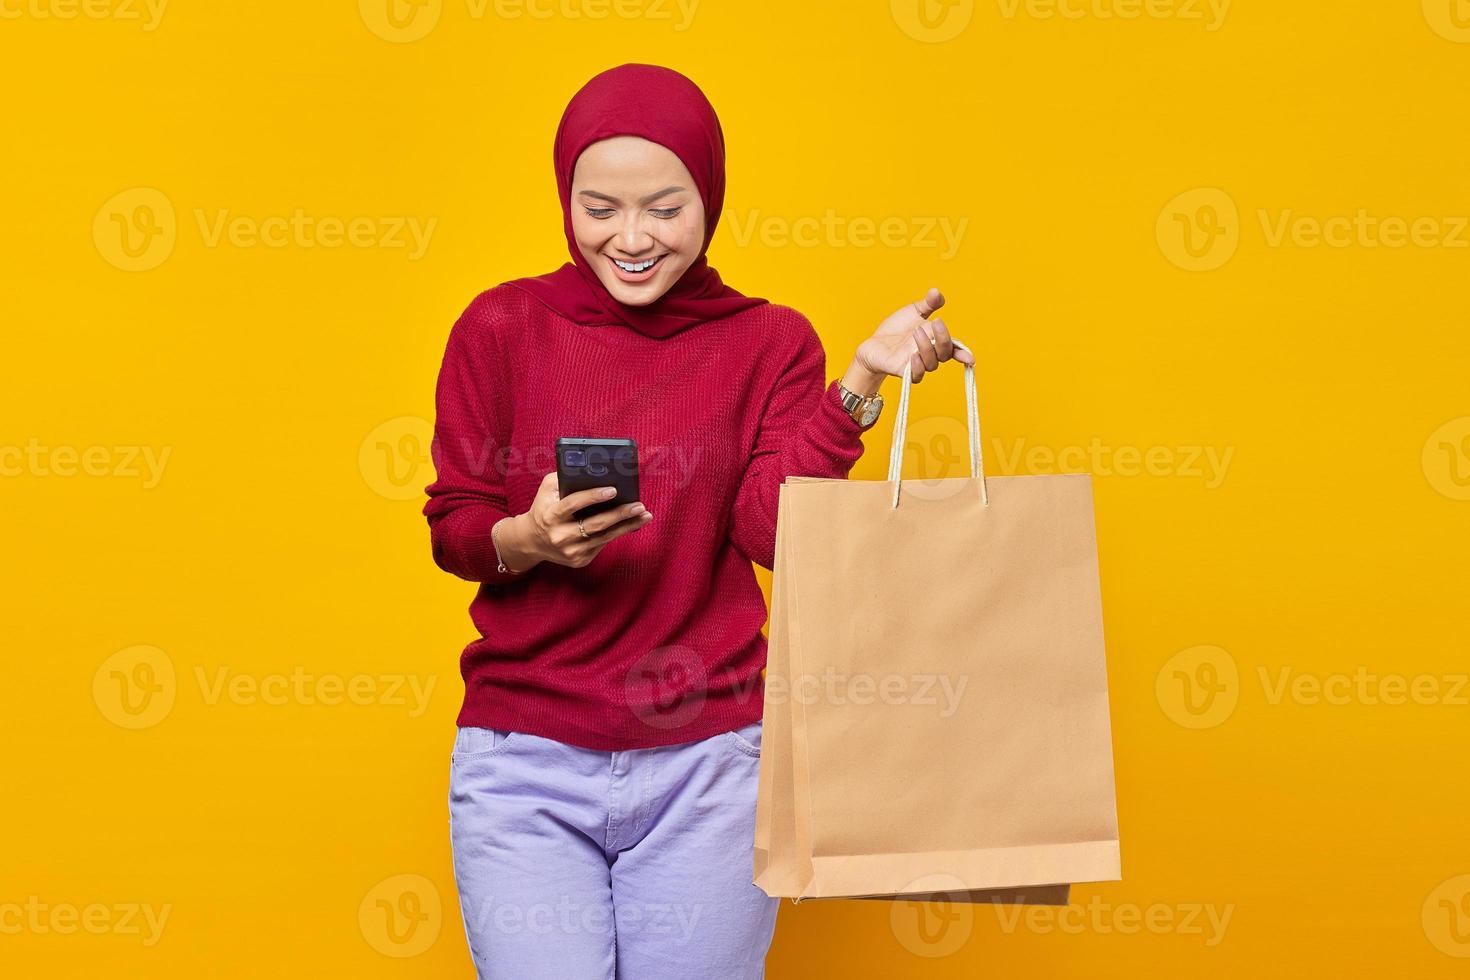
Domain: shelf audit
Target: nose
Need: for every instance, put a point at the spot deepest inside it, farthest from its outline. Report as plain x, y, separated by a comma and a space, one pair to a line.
634, 237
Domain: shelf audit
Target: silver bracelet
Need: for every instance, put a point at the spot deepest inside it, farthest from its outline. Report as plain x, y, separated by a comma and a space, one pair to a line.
499, 561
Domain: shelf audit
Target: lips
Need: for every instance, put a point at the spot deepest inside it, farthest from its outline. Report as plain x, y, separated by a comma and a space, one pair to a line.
645, 270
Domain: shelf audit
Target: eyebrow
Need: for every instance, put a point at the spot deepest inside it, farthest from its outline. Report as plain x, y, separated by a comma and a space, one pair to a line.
652, 197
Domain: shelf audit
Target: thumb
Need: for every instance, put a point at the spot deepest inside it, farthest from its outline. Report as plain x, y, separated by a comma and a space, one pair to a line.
932, 301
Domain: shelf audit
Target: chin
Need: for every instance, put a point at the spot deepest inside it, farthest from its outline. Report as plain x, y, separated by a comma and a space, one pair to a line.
640, 295
639, 299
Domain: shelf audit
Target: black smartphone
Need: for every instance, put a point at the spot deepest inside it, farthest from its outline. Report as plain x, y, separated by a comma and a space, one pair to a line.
582, 464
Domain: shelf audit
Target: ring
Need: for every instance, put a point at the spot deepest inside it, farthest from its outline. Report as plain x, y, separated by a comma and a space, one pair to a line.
583, 530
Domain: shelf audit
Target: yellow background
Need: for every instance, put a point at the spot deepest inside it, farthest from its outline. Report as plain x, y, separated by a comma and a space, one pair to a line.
1334, 376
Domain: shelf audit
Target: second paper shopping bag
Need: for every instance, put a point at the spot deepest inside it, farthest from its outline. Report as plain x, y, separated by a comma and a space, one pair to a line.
936, 694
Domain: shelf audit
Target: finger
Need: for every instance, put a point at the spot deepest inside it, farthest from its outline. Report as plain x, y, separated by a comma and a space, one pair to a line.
916, 368
622, 527
925, 346
570, 504
942, 340
603, 520
932, 301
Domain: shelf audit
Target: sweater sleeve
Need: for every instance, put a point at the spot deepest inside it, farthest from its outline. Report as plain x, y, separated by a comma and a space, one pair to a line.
467, 496
804, 431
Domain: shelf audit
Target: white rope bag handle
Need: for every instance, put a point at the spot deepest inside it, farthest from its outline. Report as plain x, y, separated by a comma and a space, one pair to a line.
972, 420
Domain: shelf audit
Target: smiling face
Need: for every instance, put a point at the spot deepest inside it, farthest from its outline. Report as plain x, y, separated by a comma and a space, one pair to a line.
637, 217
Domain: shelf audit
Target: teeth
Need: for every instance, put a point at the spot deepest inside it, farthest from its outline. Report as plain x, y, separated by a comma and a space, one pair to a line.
634, 267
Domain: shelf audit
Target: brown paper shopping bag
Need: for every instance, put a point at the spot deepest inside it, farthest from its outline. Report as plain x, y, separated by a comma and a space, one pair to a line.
936, 712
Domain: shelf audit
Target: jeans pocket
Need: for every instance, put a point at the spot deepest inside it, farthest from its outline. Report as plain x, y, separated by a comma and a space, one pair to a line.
471, 743
746, 740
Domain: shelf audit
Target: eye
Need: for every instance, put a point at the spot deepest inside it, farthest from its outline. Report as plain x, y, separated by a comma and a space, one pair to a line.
665, 213
599, 213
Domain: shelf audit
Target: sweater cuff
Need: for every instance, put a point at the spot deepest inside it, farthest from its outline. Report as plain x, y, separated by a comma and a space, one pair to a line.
468, 544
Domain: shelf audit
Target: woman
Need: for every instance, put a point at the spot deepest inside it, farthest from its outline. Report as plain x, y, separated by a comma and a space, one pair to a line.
603, 780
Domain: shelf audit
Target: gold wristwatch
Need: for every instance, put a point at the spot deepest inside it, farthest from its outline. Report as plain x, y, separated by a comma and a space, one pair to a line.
864, 409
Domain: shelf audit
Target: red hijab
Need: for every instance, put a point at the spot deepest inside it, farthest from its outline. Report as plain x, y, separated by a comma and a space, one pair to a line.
664, 107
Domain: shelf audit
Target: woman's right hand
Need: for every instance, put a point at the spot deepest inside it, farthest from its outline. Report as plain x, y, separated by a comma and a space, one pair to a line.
549, 532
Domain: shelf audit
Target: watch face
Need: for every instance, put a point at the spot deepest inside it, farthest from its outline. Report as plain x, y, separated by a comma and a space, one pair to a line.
870, 411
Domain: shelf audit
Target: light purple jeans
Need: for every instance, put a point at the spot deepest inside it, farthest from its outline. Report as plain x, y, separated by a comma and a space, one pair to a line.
575, 864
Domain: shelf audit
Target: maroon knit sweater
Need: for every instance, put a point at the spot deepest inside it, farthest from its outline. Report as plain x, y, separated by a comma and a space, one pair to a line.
658, 640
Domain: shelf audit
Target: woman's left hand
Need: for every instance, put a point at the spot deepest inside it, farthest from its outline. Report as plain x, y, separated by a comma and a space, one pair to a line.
913, 337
